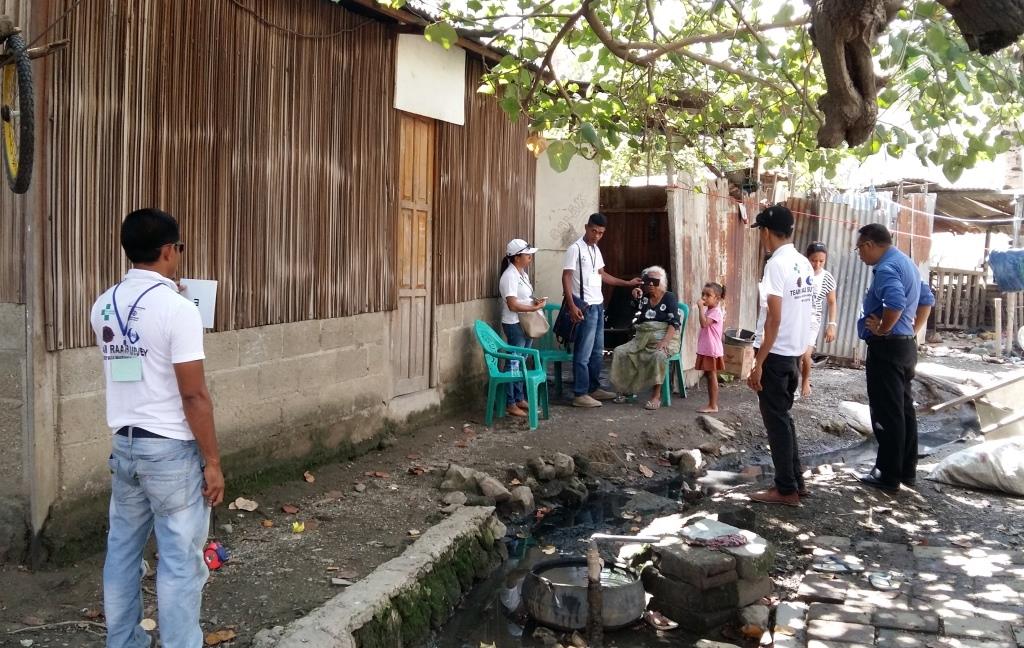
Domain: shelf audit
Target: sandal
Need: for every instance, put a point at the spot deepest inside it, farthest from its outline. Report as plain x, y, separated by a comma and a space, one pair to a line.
621, 399
659, 621
652, 404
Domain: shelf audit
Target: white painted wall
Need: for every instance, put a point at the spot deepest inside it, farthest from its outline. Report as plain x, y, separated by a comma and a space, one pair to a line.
430, 80
563, 203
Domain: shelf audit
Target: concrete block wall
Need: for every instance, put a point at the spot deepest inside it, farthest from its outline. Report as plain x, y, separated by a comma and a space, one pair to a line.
279, 391
12, 400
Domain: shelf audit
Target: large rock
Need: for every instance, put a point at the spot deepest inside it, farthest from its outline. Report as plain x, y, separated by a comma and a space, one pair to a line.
459, 478
541, 469
491, 487
575, 492
522, 497
754, 616
712, 425
644, 502
691, 463
755, 559
697, 566
564, 465
457, 498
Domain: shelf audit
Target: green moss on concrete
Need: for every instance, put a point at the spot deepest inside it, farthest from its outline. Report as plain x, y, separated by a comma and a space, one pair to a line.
413, 606
414, 613
383, 631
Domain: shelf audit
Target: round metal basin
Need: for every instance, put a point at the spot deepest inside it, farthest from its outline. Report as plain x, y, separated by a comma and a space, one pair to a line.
555, 595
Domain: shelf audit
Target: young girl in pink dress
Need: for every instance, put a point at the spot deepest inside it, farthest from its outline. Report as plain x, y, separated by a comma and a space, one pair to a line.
709, 343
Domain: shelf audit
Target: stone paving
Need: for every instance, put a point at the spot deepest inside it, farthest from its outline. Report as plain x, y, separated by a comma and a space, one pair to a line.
940, 597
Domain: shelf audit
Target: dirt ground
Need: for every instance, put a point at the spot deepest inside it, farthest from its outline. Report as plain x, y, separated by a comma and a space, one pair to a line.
276, 575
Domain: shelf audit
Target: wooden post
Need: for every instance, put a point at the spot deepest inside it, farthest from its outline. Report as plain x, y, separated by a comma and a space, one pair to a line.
997, 308
595, 599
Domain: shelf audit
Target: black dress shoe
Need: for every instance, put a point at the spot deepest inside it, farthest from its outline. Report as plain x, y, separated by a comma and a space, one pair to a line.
875, 482
909, 483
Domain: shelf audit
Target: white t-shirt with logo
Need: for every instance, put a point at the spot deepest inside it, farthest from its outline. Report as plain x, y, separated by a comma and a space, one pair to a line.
164, 329
513, 284
789, 275
592, 261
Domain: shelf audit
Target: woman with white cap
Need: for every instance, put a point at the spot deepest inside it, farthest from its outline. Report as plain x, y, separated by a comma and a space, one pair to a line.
516, 297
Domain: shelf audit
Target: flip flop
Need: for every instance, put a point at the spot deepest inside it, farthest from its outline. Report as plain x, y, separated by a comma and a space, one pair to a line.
836, 565
659, 621
652, 404
885, 581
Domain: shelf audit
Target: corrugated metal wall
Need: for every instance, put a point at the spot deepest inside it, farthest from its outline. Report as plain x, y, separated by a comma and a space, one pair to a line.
836, 226
485, 195
12, 206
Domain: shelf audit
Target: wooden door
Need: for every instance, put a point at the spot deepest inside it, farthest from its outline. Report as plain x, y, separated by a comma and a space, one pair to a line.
411, 333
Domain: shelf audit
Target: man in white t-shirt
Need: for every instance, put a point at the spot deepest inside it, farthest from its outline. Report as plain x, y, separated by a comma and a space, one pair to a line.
165, 464
583, 274
783, 333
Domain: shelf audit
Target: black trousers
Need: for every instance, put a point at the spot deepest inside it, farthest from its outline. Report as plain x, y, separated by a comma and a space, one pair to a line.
890, 371
780, 376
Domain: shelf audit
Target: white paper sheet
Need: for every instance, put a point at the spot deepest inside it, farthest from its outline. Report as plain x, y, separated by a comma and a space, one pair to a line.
203, 293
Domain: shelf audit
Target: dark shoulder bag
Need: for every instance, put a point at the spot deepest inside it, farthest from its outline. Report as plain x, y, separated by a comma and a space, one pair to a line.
565, 328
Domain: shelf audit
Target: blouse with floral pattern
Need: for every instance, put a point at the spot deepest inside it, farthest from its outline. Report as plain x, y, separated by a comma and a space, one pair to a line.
667, 310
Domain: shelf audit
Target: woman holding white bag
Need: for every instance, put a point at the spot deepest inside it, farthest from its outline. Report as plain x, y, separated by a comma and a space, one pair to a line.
517, 297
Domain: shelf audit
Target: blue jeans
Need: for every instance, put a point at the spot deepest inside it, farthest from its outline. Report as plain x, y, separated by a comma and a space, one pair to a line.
587, 351
514, 334
157, 484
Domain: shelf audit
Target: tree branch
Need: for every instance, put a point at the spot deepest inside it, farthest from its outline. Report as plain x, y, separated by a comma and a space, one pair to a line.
800, 92
546, 63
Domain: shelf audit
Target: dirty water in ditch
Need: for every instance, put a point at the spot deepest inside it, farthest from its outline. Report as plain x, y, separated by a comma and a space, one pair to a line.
486, 616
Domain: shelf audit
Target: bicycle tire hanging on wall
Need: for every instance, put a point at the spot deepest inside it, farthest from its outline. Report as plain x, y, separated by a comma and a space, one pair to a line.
17, 116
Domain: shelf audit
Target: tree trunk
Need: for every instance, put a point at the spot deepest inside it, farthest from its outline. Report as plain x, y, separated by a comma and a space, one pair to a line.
987, 25
843, 32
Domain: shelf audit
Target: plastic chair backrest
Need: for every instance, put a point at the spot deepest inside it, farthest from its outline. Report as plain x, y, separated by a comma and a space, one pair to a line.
490, 342
548, 341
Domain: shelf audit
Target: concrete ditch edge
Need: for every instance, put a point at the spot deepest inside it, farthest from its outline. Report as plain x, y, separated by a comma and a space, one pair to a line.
373, 600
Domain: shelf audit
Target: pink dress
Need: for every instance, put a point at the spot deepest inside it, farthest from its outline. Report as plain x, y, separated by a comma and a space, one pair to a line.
709, 342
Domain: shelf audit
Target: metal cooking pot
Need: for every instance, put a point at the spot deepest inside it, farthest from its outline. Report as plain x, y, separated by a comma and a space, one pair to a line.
555, 595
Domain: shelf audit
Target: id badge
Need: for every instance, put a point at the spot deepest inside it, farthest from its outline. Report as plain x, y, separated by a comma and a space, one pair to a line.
126, 369
594, 280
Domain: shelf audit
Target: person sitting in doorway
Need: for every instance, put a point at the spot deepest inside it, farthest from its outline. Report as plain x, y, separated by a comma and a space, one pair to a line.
640, 364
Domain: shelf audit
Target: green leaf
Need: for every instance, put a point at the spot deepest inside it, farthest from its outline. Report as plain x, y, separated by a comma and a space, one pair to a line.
474, 5
560, 153
510, 105
589, 134
486, 89
395, 4
530, 50
585, 56
441, 33
952, 169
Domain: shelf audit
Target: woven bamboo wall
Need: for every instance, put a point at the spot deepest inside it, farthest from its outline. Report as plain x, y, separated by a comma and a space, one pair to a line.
11, 206
277, 153
485, 195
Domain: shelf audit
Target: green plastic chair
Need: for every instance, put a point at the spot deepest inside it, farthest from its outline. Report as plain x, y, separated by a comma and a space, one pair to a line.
495, 349
676, 361
551, 352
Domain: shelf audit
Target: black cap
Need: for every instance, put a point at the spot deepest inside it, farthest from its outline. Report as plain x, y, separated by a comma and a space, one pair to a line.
776, 218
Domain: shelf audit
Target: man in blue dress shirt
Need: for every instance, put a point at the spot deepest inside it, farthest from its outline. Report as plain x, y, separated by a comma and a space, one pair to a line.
896, 307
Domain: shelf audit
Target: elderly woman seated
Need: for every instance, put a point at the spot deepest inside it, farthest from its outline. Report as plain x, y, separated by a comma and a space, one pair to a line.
639, 364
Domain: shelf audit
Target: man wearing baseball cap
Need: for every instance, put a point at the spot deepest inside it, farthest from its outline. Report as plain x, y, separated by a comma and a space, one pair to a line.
783, 333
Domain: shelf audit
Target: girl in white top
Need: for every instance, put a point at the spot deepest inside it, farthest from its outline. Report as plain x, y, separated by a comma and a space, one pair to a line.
825, 292
516, 297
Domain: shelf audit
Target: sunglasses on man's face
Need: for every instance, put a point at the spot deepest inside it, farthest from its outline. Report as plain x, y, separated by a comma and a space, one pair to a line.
179, 246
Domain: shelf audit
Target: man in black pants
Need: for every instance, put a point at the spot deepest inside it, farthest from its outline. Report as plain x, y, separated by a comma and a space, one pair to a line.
783, 334
896, 306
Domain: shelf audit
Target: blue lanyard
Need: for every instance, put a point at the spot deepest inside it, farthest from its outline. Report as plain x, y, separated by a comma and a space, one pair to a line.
124, 325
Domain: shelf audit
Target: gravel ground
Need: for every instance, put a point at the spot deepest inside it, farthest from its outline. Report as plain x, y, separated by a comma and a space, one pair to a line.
361, 513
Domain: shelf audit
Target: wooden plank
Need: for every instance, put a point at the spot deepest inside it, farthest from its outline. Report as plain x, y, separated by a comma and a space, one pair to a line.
999, 384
